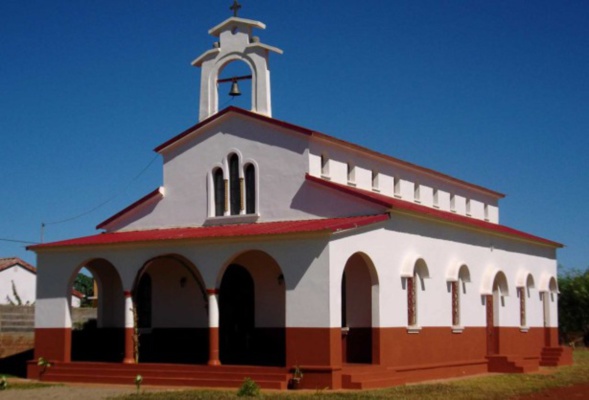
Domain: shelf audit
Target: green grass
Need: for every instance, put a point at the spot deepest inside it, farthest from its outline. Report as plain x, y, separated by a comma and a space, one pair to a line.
493, 387
28, 385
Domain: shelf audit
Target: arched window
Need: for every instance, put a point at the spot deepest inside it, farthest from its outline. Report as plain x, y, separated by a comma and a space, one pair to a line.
250, 189
219, 185
234, 189
456, 303
523, 292
414, 281
457, 286
412, 299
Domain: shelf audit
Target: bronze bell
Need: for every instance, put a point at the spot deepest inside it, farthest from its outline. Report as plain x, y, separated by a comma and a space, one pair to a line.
234, 89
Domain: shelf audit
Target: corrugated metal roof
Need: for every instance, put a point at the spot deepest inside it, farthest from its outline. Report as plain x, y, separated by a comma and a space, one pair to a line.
330, 225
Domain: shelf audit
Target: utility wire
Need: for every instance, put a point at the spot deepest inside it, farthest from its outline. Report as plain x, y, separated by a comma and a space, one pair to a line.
44, 224
17, 241
227, 102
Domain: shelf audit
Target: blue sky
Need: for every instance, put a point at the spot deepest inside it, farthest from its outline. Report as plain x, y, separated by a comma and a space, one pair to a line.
492, 92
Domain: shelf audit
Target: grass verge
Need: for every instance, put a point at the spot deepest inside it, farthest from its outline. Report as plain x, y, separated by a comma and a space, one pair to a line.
493, 387
28, 385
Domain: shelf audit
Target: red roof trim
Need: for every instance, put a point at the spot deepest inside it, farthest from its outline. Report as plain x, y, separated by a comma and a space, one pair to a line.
10, 262
322, 136
237, 110
433, 213
330, 225
130, 208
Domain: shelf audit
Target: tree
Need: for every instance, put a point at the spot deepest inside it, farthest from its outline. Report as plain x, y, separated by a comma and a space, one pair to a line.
85, 285
573, 303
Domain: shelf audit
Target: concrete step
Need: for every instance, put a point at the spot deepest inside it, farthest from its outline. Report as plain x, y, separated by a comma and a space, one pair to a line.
166, 374
513, 364
556, 356
370, 377
227, 382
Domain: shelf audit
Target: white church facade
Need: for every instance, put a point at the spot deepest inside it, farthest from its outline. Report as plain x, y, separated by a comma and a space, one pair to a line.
271, 247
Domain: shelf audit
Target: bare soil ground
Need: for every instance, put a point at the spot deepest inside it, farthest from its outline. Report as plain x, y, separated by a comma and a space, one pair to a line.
101, 392
576, 392
69, 392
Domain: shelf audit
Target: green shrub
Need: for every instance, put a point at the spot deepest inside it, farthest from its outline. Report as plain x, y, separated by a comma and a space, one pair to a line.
248, 388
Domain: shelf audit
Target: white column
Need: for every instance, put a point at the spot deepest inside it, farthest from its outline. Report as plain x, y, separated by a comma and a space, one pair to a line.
213, 295
129, 329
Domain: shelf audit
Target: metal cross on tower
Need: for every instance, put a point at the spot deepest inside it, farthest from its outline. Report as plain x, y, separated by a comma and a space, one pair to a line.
235, 7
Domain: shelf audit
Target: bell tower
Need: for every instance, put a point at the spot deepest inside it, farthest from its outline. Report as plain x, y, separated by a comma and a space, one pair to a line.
236, 43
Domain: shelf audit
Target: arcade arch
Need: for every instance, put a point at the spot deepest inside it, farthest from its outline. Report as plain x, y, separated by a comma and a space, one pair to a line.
252, 314
173, 329
102, 339
360, 305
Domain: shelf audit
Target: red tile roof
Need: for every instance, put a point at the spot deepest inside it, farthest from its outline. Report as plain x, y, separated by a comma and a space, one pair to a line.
6, 263
406, 206
328, 138
330, 225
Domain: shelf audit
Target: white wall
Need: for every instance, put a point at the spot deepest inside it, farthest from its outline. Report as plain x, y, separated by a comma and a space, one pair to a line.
396, 247
24, 280
281, 165
176, 303
339, 157
302, 261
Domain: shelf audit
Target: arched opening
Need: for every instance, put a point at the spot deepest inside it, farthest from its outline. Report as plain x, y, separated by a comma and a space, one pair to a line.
236, 68
219, 192
359, 291
171, 308
252, 316
237, 316
250, 189
549, 293
143, 301
324, 165
351, 172
494, 302
98, 330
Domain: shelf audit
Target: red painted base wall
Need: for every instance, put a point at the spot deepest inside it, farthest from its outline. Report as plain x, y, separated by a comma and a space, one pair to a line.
53, 344
430, 353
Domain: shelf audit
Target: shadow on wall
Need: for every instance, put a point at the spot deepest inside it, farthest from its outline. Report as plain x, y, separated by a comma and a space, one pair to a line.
16, 364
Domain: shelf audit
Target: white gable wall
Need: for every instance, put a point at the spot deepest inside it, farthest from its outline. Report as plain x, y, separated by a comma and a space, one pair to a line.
24, 280
280, 157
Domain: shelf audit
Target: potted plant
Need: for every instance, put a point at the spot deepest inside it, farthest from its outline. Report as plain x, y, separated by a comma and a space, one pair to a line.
297, 376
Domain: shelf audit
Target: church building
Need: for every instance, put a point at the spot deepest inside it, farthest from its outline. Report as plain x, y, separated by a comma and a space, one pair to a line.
271, 248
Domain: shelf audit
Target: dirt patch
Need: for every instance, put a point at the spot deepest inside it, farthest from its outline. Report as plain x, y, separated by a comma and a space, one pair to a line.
575, 392
63, 392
